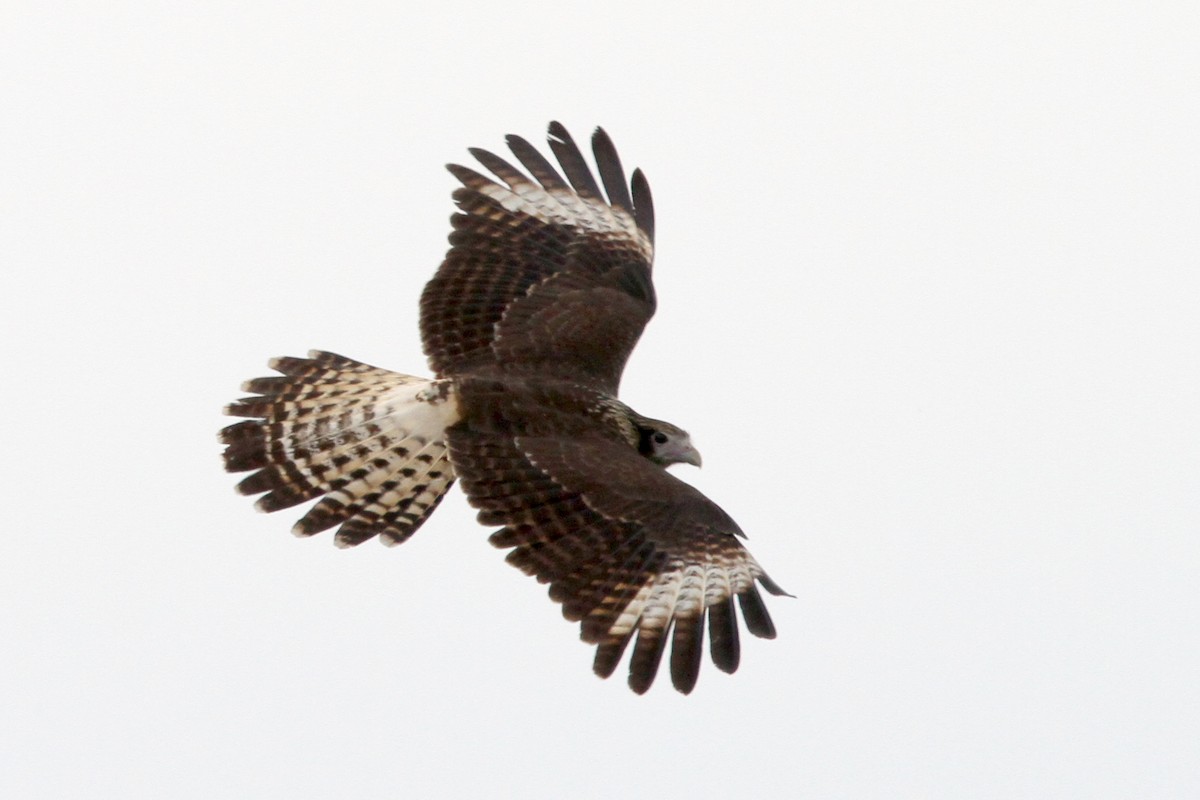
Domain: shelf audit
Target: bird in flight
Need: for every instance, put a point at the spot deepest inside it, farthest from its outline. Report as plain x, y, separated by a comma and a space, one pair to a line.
527, 325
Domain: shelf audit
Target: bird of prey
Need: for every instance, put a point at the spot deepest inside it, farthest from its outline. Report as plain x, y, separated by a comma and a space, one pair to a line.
527, 325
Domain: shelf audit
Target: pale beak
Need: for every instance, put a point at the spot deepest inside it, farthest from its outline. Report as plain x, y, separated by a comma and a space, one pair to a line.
684, 453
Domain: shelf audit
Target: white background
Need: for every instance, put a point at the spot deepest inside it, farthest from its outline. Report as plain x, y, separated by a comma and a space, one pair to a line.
928, 279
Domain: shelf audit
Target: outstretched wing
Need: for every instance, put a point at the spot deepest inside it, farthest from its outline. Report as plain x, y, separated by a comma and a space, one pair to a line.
544, 277
625, 546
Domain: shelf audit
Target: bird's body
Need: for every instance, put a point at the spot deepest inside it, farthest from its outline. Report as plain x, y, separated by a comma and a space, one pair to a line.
527, 325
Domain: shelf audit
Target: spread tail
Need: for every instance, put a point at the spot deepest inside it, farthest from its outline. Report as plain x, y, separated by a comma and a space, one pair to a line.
370, 440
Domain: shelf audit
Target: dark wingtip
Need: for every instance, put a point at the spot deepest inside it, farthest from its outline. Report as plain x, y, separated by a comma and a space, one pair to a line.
647, 654
571, 159
724, 641
643, 203
512, 139
755, 614
684, 687
773, 587
611, 172
640, 686
687, 653
533, 160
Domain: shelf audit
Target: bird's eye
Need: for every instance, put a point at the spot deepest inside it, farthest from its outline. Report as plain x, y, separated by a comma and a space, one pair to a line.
660, 438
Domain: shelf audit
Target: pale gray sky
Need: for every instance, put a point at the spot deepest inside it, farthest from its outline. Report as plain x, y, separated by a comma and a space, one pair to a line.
929, 279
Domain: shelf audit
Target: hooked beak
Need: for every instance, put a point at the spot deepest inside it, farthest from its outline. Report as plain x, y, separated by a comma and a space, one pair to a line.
684, 453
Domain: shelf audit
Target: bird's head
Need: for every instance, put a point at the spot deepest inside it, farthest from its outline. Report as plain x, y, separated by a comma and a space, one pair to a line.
665, 444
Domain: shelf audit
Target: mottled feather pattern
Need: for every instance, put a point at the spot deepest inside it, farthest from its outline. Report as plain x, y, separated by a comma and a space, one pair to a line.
656, 570
527, 324
706, 568
368, 440
525, 246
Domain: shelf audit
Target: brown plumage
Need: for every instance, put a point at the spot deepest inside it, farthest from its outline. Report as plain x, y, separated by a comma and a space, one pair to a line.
527, 324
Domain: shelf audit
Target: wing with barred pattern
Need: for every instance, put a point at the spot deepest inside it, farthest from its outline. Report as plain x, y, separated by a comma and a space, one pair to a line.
544, 277
626, 547
541, 299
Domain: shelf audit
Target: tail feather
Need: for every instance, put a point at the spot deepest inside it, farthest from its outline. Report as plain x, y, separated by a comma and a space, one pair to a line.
369, 440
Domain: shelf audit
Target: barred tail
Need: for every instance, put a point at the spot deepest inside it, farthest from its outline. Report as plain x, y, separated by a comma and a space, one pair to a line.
371, 441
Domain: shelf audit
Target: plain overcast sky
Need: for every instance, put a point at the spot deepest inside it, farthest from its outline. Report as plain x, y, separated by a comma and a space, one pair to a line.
929, 282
